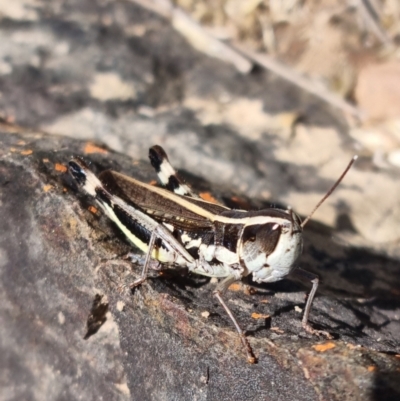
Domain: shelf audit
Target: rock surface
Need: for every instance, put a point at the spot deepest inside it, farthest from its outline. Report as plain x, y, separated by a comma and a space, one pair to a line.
110, 72
61, 264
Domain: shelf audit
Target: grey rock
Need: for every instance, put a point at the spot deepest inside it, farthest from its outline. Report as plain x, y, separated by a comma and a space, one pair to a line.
62, 266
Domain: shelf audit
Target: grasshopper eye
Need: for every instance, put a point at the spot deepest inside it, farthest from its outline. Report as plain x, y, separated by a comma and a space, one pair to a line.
265, 236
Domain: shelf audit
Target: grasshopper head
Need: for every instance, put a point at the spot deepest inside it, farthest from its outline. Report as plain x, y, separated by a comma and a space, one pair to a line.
271, 244
269, 248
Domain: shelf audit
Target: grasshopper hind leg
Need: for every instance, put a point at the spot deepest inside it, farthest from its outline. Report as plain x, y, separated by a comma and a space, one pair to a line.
220, 289
167, 175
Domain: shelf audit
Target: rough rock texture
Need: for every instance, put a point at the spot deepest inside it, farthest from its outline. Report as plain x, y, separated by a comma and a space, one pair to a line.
109, 71
62, 267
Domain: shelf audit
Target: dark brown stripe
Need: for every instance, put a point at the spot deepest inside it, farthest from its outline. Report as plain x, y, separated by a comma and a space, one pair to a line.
266, 236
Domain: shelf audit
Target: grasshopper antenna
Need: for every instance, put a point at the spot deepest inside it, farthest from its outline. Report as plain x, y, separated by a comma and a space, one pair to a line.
306, 220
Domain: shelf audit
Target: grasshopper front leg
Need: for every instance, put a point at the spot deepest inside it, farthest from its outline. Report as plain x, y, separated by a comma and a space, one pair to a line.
220, 289
147, 261
314, 279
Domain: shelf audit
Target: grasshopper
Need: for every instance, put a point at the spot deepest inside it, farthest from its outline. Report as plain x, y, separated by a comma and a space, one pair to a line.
175, 227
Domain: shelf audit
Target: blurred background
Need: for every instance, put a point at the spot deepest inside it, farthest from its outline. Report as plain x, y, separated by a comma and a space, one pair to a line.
270, 99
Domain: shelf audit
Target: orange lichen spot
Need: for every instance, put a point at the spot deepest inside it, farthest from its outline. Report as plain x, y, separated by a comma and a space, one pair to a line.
208, 197
153, 182
92, 148
135, 163
45, 160
235, 287
21, 142
27, 152
47, 188
324, 347
92, 209
371, 368
13, 150
277, 329
264, 301
255, 315
60, 167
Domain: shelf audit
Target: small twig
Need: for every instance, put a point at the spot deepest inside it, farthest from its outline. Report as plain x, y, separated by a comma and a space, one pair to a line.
161, 7
203, 41
291, 75
196, 35
373, 23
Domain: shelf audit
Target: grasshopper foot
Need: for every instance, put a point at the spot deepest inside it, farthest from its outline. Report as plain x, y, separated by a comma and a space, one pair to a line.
320, 333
